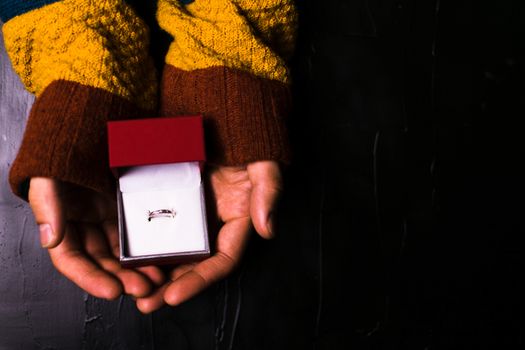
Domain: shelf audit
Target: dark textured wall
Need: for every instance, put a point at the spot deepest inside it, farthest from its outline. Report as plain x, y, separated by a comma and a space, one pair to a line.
34, 299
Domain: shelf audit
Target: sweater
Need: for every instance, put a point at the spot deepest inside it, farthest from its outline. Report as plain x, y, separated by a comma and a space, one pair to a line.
88, 62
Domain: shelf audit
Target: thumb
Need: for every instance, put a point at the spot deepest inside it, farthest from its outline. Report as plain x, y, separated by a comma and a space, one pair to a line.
47, 208
266, 180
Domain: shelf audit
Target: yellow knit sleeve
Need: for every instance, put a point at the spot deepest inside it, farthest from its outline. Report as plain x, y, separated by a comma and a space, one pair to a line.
251, 36
100, 44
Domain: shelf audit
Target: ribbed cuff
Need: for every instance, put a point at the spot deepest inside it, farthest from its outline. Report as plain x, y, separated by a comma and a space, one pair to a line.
66, 137
244, 115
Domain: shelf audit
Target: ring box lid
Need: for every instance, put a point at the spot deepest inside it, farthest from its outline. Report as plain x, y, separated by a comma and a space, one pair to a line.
155, 141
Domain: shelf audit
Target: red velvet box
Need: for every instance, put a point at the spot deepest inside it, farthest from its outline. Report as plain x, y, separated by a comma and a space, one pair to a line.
161, 208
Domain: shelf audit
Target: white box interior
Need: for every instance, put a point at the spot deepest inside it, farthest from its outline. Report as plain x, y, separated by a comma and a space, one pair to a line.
177, 187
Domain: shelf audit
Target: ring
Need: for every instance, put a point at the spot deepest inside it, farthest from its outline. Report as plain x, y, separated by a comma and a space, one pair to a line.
161, 213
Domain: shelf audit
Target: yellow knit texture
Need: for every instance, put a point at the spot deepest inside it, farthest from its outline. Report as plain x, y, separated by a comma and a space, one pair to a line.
102, 44
255, 36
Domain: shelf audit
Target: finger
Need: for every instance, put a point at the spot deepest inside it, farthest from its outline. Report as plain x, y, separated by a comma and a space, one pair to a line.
72, 262
44, 199
154, 274
152, 302
181, 270
97, 247
231, 242
266, 180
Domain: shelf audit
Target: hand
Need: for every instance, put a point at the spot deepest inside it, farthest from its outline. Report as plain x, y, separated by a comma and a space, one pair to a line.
78, 227
243, 196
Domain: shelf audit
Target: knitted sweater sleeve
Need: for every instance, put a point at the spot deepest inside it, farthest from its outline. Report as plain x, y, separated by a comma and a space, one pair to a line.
227, 61
87, 62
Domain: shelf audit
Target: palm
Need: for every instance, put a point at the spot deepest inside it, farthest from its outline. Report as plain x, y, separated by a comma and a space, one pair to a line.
231, 188
87, 253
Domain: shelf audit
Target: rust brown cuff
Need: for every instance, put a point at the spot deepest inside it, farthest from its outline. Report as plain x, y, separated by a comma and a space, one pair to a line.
66, 137
244, 115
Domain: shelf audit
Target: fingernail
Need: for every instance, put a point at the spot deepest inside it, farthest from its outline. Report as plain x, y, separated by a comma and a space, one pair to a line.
46, 235
269, 225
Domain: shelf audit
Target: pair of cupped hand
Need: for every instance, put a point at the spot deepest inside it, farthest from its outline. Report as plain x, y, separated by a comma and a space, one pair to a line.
79, 229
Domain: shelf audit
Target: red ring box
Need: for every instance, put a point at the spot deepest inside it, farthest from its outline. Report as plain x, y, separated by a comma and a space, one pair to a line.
160, 196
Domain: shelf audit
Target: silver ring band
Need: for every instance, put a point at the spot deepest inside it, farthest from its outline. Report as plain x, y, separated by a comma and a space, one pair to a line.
161, 213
